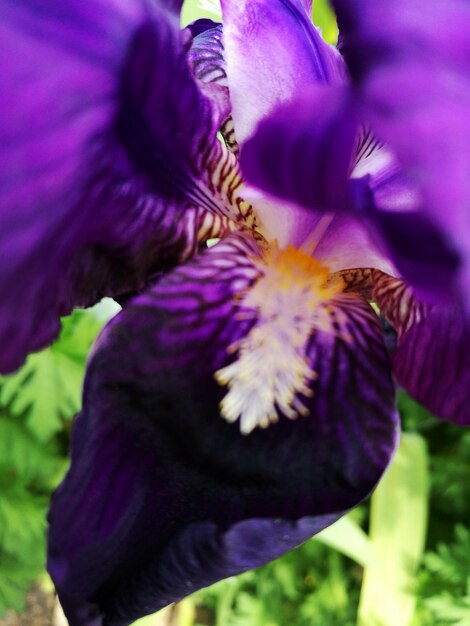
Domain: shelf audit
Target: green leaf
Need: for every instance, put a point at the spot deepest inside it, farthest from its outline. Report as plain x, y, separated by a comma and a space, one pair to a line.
22, 522
24, 459
325, 19
397, 531
47, 389
347, 537
196, 9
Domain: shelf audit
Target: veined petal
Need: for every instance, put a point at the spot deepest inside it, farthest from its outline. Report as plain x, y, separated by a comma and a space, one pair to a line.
273, 51
432, 363
397, 302
432, 359
163, 495
207, 58
201, 26
102, 157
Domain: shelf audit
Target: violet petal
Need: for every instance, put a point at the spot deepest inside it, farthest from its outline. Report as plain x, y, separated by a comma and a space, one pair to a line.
163, 496
273, 51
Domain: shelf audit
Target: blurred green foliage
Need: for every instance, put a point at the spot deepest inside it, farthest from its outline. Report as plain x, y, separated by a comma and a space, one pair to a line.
37, 404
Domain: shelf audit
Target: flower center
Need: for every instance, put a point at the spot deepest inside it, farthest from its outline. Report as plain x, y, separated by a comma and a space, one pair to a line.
272, 373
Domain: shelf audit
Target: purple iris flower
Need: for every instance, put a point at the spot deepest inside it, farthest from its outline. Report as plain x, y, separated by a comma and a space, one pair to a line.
243, 400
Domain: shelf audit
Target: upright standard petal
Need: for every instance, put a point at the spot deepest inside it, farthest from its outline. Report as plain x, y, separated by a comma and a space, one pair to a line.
163, 495
273, 51
106, 140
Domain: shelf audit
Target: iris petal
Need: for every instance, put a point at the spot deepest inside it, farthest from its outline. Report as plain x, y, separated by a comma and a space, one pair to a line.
304, 150
163, 496
109, 160
432, 363
207, 56
410, 63
208, 60
272, 51
432, 357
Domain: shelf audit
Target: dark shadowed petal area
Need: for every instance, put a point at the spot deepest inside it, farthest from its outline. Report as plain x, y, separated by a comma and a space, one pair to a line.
109, 159
432, 363
200, 26
163, 495
432, 359
420, 251
303, 151
410, 60
272, 51
392, 208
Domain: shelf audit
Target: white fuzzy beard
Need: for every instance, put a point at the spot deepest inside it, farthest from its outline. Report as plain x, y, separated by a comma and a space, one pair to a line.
272, 373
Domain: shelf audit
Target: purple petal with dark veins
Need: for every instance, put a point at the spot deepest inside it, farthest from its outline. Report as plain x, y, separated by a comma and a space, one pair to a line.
106, 139
206, 55
432, 358
273, 51
163, 495
432, 362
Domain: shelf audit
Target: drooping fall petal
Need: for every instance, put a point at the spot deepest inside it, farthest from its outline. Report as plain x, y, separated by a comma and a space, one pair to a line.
163, 495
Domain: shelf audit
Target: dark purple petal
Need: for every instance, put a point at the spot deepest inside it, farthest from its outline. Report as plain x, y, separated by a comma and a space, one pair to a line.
202, 25
207, 56
420, 251
304, 150
392, 208
432, 363
163, 495
107, 144
432, 358
410, 60
273, 51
